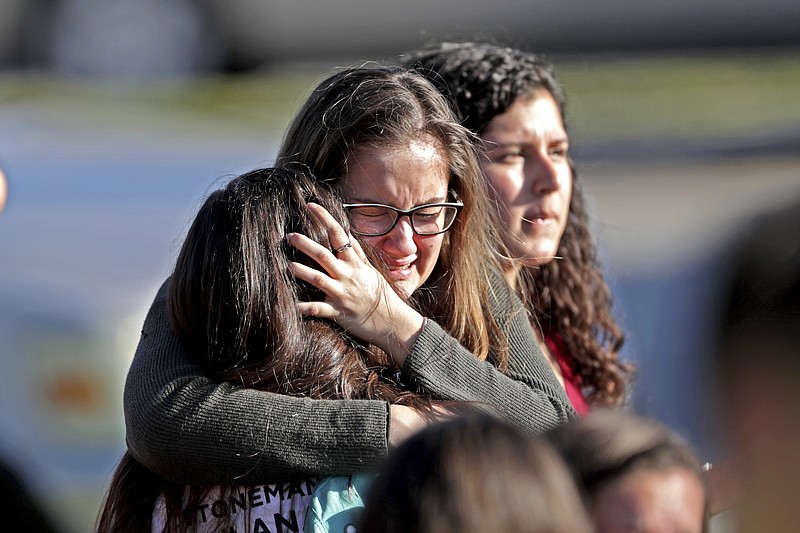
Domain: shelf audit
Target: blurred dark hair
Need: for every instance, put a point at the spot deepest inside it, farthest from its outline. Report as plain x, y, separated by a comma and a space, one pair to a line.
608, 444
568, 297
474, 474
761, 301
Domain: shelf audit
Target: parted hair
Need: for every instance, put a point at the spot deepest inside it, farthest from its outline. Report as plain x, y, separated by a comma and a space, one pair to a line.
474, 474
389, 107
233, 299
568, 297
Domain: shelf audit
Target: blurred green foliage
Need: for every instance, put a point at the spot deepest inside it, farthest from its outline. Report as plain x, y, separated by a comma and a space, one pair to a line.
683, 96
689, 96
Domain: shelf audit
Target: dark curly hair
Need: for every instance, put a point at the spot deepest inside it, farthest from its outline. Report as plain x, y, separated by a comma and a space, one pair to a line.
569, 298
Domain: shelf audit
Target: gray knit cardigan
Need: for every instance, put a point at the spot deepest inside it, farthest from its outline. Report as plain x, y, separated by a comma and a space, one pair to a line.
185, 426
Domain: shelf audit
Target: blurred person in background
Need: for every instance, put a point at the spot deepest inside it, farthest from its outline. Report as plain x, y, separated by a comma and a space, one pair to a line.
474, 475
18, 507
128, 39
758, 371
372, 134
635, 473
512, 100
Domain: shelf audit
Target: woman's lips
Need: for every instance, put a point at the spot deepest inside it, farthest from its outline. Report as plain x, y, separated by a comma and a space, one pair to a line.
400, 271
539, 218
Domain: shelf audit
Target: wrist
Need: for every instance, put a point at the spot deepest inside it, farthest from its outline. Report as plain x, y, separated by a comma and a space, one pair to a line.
405, 334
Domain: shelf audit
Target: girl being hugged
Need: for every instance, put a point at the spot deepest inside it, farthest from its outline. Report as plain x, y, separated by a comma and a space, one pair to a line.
233, 300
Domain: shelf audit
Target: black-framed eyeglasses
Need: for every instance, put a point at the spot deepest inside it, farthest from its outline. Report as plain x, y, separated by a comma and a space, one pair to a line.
374, 220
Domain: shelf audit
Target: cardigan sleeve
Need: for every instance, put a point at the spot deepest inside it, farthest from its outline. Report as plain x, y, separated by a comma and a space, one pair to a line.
188, 428
528, 395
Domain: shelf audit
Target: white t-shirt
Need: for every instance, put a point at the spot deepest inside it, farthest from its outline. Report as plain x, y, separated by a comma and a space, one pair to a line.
278, 508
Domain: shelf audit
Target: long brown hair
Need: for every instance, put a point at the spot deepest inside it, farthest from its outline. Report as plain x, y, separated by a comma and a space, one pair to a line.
232, 299
389, 107
568, 297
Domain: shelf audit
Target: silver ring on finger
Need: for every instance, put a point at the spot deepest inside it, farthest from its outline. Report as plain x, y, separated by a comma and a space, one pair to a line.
341, 249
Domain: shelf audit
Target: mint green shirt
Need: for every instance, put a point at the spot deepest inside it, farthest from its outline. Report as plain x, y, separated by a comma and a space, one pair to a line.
337, 504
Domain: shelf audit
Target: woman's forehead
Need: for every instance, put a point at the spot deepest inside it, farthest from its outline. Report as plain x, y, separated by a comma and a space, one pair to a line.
399, 175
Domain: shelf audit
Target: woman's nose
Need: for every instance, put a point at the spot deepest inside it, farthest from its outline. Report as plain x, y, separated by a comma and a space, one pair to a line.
401, 239
542, 173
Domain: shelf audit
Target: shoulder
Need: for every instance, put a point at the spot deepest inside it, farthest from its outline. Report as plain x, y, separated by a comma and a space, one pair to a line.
502, 299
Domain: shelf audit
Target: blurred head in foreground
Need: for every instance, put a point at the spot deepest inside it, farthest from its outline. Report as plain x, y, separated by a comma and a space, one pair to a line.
637, 475
474, 474
758, 370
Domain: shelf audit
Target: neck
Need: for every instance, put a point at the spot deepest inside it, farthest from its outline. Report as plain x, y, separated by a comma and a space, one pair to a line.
511, 274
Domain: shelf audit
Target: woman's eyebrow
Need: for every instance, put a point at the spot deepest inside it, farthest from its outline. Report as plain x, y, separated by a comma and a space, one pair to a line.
432, 200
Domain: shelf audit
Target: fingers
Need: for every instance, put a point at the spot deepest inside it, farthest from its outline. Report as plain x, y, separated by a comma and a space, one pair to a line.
340, 241
319, 253
311, 275
317, 309
354, 247
321, 281
360, 251
341, 249
342, 246
346, 276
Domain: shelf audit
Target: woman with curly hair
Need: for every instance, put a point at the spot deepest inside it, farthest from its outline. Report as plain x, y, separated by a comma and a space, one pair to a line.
512, 100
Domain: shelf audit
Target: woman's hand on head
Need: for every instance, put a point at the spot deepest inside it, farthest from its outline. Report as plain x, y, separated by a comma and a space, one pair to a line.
357, 297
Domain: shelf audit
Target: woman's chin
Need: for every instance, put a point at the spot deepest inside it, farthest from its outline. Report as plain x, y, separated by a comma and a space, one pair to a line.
405, 283
536, 256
